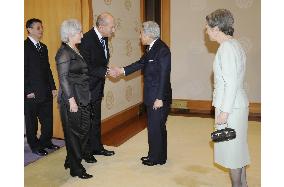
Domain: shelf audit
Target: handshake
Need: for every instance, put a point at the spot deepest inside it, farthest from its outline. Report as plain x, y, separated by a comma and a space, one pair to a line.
115, 71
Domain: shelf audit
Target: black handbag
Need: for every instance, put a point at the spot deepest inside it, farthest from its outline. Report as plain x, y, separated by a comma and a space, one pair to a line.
222, 135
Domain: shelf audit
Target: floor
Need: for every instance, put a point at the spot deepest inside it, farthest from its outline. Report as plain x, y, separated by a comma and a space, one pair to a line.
190, 160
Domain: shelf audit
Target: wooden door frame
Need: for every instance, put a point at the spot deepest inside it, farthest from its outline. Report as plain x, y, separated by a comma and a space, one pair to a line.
165, 19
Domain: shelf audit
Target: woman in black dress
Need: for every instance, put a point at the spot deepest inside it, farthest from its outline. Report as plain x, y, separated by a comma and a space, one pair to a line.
73, 97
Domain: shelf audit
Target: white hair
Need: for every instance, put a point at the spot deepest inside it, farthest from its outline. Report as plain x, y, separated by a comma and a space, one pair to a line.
151, 29
69, 27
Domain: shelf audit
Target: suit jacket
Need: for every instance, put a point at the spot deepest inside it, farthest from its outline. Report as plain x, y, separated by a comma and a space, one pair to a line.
156, 65
73, 76
93, 52
37, 73
229, 72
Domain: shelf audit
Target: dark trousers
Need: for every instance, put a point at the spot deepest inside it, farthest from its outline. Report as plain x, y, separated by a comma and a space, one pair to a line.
76, 126
157, 133
95, 143
42, 111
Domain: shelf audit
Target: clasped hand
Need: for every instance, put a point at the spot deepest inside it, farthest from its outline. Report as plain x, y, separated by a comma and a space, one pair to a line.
158, 104
222, 118
115, 71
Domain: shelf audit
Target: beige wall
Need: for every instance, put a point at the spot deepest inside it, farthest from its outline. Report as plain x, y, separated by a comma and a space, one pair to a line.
193, 54
125, 49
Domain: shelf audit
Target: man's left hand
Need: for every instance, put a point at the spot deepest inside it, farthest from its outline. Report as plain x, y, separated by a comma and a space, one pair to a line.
157, 104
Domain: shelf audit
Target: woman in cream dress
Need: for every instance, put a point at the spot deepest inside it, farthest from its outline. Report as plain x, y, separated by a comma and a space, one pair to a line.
229, 97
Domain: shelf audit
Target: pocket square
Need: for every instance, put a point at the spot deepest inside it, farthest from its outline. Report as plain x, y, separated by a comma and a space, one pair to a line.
151, 60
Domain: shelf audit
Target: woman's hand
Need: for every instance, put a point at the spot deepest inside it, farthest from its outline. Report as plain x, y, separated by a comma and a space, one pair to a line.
73, 105
222, 118
157, 104
54, 93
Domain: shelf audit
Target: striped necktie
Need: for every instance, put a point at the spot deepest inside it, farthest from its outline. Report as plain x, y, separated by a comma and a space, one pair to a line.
38, 47
103, 42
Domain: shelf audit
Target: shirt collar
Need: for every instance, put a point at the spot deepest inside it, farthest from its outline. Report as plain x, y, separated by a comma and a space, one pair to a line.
98, 33
33, 40
152, 43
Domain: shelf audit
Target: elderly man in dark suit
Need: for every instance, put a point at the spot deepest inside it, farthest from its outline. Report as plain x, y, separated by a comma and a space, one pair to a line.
156, 64
94, 49
39, 90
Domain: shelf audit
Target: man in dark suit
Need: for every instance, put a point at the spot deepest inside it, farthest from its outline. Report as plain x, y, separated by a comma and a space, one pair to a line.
94, 49
39, 90
156, 64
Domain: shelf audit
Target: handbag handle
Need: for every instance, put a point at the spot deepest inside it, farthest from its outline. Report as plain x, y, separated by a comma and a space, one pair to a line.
221, 124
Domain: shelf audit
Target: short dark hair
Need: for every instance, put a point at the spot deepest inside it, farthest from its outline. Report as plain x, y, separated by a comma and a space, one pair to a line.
223, 19
30, 22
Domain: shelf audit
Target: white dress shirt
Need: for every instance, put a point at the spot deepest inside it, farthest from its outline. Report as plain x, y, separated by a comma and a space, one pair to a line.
152, 43
34, 41
100, 38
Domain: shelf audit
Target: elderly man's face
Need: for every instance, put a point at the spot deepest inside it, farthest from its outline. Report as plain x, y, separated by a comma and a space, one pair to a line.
109, 29
36, 31
145, 39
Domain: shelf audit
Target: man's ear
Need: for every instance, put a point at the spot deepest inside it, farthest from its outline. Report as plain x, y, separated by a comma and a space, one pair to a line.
29, 30
100, 28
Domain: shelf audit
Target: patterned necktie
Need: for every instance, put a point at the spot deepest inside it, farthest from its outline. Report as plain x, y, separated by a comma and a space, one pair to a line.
38, 47
103, 42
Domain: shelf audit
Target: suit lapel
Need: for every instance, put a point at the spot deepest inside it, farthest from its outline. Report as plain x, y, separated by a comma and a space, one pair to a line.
100, 44
31, 44
77, 55
153, 49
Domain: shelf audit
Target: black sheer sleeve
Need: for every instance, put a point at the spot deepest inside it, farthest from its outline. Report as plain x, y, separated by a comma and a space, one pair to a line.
63, 61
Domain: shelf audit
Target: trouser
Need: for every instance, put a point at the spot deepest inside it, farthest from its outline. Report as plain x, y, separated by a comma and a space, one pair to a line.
42, 111
76, 126
157, 133
94, 142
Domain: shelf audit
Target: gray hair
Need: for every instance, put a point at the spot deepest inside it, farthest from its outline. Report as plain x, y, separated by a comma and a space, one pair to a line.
223, 19
151, 29
69, 27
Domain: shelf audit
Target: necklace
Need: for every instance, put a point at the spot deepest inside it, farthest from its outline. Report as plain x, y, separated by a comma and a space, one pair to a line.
75, 50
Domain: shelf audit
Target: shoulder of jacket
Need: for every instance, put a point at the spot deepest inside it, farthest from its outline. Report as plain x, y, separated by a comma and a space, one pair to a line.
89, 33
43, 45
63, 51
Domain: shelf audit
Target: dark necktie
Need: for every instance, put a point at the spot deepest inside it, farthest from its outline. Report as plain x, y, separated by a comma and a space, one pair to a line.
103, 42
38, 47
147, 48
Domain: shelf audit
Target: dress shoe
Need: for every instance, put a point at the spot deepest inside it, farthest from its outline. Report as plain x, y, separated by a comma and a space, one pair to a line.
104, 152
144, 158
40, 152
84, 175
90, 159
150, 163
66, 165
52, 146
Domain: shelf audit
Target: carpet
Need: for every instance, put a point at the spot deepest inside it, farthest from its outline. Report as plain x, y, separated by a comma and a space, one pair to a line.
190, 161
30, 157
